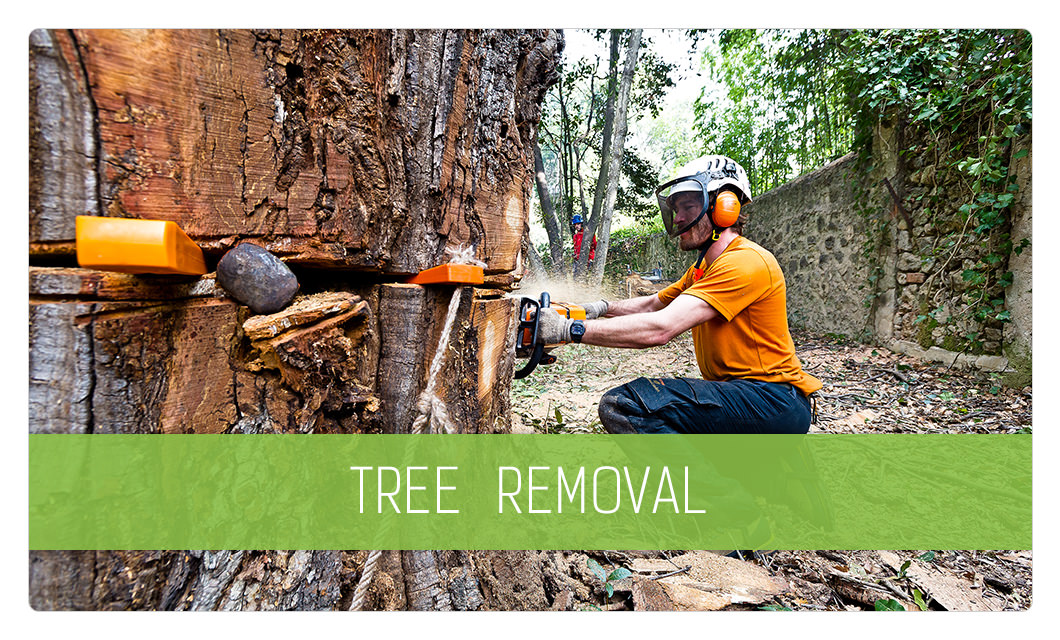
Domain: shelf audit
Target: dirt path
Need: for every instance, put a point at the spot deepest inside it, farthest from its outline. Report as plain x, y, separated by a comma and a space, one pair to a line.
866, 390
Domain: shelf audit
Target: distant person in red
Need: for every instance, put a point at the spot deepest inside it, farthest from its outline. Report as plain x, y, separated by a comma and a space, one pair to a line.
577, 222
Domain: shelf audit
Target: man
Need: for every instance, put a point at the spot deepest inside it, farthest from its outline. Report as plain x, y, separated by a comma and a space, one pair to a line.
576, 222
733, 300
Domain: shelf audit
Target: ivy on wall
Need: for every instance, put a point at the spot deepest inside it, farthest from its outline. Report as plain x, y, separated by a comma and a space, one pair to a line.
959, 102
965, 102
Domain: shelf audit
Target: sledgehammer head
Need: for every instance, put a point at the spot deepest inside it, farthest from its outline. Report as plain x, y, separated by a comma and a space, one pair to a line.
256, 278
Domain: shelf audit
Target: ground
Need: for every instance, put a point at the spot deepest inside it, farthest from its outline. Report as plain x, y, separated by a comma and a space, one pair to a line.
866, 390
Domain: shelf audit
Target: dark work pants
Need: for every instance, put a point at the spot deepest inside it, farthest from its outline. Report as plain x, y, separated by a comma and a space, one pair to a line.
689, 405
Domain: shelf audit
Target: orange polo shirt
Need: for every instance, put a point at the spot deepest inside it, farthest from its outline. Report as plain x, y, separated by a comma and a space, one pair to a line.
751, 338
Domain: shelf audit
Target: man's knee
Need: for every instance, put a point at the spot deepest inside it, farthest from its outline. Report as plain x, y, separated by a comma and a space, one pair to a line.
614, 411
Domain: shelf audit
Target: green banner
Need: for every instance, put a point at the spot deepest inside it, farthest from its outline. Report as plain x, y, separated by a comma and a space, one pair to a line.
529, 492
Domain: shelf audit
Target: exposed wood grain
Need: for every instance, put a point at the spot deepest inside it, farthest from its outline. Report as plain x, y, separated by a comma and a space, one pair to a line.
302, 311
477, 382
371, 149
163, 368
56, 282
951, 592
319, 362
708, 583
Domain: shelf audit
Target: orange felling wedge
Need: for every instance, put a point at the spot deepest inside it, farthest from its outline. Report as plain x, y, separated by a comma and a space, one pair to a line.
449, 274
137, 246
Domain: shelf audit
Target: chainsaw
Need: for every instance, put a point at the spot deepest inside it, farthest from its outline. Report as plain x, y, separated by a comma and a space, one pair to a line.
526, 345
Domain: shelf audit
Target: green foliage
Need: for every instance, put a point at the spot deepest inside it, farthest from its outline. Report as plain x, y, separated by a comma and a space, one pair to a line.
778, 113
968, 92
636, 194
903, 569
918, 598
889, 605
958, 99
608, 579
652, 81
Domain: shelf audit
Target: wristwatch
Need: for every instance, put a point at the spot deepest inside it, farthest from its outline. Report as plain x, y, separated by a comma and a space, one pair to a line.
577, 330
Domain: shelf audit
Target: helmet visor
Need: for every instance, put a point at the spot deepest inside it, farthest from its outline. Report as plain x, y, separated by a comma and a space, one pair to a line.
666, 195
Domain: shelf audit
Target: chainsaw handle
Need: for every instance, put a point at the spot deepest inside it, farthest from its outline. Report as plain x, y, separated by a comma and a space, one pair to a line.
535, 358
531, 325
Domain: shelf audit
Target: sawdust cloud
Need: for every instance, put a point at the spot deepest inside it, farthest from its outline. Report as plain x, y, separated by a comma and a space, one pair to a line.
563, 290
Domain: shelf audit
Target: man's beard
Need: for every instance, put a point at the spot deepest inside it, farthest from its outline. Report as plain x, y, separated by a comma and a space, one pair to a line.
686, 243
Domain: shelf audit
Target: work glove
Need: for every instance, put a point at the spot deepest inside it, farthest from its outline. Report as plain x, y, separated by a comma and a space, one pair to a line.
553, 328
596, 309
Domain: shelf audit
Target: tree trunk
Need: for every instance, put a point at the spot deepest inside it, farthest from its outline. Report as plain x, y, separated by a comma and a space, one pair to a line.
593, 223
548, 211
537, 266
614, 159
356, 156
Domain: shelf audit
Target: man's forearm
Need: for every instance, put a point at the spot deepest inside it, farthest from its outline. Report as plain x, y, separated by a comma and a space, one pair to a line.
652, 328
641, 304
633, 331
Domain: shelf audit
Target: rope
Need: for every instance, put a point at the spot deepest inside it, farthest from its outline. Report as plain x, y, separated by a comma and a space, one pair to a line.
432, 413
430, 406
370, 565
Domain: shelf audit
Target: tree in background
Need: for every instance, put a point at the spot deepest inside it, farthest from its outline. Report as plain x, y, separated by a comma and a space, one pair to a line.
582, 157
779, 107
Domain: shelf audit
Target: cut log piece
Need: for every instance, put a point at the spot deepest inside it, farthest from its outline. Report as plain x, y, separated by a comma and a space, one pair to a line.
304, 311
711, 582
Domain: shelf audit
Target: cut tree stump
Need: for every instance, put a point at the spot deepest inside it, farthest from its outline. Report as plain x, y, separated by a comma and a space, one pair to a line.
358, 158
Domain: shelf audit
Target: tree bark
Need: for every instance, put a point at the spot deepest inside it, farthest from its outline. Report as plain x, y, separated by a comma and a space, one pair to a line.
368, 149
614, 159
593, 223
356, 156
548, 211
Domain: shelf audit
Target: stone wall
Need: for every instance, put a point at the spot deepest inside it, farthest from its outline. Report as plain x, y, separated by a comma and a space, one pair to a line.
812, 227
885, 264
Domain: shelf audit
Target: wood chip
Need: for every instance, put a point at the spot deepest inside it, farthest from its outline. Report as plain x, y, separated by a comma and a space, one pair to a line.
304, 310
712, 582
950, 591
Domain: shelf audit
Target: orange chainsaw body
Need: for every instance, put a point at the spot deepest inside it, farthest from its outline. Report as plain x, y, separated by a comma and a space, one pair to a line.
526, 337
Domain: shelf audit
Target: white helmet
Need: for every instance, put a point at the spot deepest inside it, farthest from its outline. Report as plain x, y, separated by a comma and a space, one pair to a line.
706, 175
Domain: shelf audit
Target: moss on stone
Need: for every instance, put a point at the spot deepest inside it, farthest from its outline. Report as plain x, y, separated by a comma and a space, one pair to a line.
923, 335
1019, 361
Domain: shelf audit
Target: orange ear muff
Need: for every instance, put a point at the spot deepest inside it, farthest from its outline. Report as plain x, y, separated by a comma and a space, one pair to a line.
726, 209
